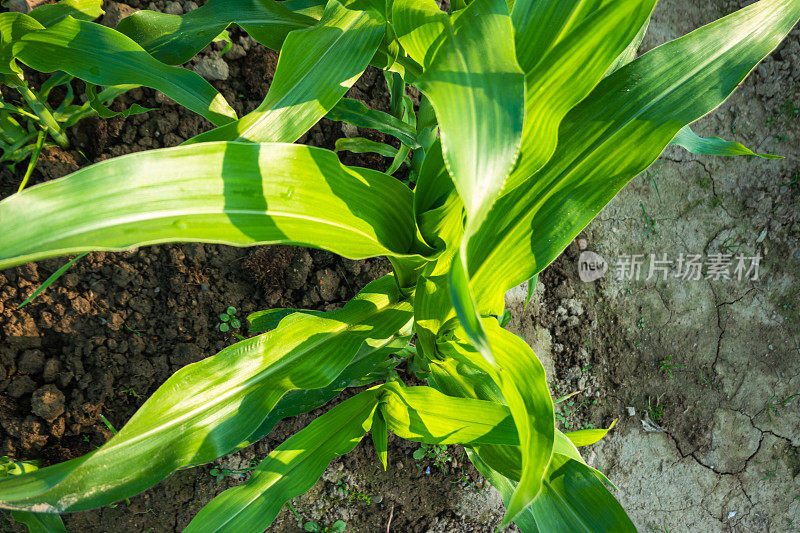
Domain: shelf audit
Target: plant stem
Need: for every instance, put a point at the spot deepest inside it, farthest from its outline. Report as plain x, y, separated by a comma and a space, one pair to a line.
34, 158
41, 111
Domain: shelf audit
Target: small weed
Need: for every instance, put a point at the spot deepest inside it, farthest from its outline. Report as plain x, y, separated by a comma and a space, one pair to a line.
437, 453
352, 496
235, 473
640, 323
228, 320
656, 411
134, 331
651, 223
795, 180
567, 413
774, 404
130, 392
465, 481
667, 365
771, 473
708, 381
704, 182
730, 248
790, 311
652, 177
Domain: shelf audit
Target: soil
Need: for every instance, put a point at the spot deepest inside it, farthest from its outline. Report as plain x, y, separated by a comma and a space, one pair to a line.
109, 332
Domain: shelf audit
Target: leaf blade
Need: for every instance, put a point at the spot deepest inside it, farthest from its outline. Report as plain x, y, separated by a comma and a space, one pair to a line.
230, 193
103, 56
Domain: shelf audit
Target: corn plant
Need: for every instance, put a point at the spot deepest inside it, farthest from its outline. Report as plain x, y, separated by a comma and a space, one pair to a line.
533, 115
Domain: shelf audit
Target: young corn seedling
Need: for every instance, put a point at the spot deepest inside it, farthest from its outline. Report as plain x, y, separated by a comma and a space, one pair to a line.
29, 124
531, 119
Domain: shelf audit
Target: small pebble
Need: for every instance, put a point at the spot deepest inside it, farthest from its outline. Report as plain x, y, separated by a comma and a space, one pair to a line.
731, 514
582, 244
631, 411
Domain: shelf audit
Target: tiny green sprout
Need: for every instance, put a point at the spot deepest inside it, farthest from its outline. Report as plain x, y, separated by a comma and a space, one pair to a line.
650, 222
667, 366
130, 392
795, 180
728, 247
775, 403
228, 320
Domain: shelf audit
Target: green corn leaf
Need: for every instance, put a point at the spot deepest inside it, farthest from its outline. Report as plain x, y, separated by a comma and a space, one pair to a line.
614, 134
458, 379
525, 520
14, 26
520, 378
230, 193
175, 39
572, 499
629, 54
289, 470
103, 56
315, 68
208, 408
689, 140
369, 358
531, 290
437, 207
420, 27
563, 445
35, 522
551, 86
356, 113
380, 438
309, 8
399, 158
477, 90
432, 306
466, 308
424, 414
104, 112
361, 145
50, 280
49, 14
539, 26
586, 437
40, 522
263, 321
